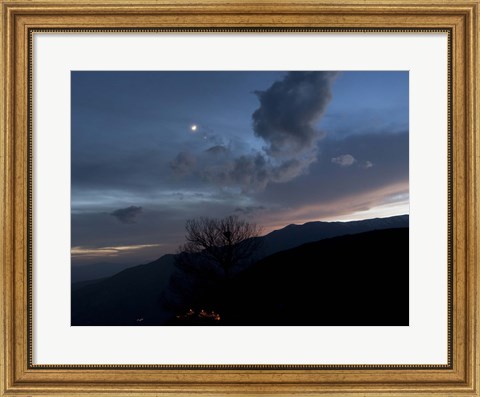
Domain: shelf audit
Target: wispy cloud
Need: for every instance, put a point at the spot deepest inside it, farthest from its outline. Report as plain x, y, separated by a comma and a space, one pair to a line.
345, 160
367, 164
109, 251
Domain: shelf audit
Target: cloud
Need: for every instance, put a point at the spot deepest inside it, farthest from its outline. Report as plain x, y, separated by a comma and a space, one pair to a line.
345, 160
289, 110
249, 210
127, 215
217, 150
250, 172
183, 163
367, 164
290, 169
254, 172
108, 251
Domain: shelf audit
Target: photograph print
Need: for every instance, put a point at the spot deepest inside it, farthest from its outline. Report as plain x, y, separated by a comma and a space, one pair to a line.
239, 198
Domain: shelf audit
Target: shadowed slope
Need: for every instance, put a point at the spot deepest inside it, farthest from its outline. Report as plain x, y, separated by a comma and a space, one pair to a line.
351, 280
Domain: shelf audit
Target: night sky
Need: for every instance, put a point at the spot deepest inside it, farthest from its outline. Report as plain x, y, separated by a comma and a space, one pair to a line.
152, 149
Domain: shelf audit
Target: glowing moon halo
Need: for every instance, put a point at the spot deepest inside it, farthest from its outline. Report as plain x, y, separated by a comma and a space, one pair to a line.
193, 127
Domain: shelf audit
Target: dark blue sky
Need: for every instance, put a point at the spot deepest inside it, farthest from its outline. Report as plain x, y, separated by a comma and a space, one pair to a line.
152, 149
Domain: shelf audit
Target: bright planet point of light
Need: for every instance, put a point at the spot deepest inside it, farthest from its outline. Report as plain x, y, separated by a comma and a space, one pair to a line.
193, 127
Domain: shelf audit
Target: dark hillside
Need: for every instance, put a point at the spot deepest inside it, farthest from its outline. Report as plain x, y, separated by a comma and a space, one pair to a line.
131, 297
351, 280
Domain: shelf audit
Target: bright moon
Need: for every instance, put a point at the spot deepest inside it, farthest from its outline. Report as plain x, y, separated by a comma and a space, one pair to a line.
193, 127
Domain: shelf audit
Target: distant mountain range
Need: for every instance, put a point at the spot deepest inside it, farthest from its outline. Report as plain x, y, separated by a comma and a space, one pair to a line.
133, 296
96, 271
294, 235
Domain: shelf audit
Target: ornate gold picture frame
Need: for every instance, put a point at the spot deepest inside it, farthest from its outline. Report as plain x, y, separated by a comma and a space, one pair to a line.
21, 20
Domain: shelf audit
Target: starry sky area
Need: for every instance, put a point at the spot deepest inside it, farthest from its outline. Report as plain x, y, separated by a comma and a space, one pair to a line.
152, 149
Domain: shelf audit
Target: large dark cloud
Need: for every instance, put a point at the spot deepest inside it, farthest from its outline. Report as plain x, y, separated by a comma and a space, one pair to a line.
289, 110
250, 172
254, 172
285, 121
127, 215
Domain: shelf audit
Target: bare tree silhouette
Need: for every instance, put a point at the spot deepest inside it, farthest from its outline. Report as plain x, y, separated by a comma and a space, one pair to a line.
227, 242
215, 249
